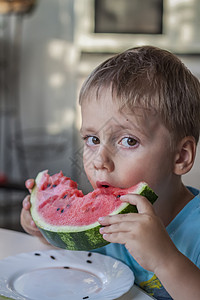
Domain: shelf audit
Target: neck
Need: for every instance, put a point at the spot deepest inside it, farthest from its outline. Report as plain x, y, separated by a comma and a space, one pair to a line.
169, 205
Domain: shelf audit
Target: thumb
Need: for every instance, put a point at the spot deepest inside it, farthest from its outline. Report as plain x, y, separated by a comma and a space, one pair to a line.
29, 183
142, 203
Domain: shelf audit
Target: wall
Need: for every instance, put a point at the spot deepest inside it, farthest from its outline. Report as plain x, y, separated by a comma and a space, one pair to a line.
193, 177
51, 72
48, 86
52, 68
44, 135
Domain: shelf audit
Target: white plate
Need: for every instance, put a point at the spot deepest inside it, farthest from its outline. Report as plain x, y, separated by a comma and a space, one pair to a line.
63, 274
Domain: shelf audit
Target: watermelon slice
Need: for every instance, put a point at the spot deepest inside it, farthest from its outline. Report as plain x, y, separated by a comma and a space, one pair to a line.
68, 219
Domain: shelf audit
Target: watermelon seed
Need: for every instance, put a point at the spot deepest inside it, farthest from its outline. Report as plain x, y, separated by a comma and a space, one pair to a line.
54, 185
52, 257
62, 210
87, 297
65, 267
89, 254
58, 209
64, 196
68, 205
37, 254
89, 261
118, 196
48, 185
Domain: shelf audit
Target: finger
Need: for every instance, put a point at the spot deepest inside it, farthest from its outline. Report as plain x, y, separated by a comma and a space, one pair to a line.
28, 223
26, 203
120, 238
30, 184
109, 220
142, 203
34, 225
117, 227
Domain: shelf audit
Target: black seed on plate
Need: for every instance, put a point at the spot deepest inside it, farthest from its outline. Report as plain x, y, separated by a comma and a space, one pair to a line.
37, 254
54, 185
52, 257
65, 267
89, 261
118, 196
58, 209
89, 254
62, 210
86, 297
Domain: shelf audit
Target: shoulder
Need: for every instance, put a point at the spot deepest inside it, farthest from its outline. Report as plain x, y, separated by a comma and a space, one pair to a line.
188, 217
193, 207
184, 230
194, 191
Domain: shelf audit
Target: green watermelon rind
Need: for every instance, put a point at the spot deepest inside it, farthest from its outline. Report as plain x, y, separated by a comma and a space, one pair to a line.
82, 238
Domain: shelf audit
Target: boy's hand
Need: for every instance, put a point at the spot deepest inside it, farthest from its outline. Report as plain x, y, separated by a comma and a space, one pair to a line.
26, 219
142, 233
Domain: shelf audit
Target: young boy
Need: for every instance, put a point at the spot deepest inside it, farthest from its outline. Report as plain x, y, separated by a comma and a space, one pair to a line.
140, 122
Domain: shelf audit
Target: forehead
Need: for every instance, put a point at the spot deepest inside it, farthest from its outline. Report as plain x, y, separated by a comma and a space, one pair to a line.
105, 113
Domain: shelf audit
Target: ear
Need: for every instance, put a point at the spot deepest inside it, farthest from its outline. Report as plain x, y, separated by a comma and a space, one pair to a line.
185, 155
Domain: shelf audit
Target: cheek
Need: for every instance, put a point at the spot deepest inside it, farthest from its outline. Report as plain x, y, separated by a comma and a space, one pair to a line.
87, 163
88, 157
151, 168
156, 169
130, 173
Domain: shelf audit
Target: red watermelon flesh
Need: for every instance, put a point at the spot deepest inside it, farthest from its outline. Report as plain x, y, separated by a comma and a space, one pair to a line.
68, 219
61, 203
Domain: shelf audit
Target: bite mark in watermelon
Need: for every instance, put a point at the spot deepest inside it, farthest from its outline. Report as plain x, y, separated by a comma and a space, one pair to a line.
68, 219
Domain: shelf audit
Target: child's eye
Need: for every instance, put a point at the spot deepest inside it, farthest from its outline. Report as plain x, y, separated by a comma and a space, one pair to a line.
91, 140
128, 142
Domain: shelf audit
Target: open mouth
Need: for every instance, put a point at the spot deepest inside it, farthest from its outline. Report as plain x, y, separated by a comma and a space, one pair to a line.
101, 184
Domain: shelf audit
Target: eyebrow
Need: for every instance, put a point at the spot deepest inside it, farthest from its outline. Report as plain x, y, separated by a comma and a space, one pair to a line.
117, 127
89, 129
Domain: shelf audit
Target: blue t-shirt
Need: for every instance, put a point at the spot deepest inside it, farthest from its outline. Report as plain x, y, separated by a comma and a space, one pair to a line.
184, 231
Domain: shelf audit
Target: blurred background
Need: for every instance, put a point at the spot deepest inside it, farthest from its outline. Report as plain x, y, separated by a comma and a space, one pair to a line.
47, 49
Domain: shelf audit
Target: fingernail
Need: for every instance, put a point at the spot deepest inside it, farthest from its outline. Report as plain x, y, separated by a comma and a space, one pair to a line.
101, 219
101, 230
33, 223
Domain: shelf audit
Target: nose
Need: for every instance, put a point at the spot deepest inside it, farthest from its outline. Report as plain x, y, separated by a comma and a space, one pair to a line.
104, 159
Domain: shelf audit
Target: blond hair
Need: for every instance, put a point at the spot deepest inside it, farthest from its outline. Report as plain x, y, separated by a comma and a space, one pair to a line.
152, 78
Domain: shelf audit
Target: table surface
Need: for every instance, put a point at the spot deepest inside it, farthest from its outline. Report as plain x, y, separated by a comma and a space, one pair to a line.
14, 242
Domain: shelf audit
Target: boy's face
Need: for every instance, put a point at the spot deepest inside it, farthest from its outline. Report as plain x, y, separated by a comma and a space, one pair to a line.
122, 148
